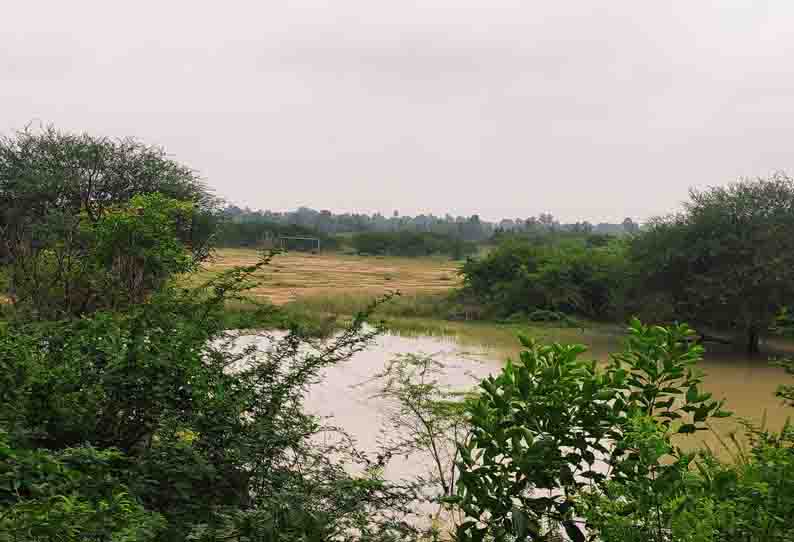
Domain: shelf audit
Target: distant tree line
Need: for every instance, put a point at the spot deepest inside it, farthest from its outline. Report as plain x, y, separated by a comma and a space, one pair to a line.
260, 233
406, 243
471, 228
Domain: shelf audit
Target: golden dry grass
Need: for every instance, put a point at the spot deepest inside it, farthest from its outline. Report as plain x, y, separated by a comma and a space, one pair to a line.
298, 274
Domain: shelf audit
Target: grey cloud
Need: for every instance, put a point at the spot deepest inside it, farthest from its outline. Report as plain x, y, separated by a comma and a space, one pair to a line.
504, 108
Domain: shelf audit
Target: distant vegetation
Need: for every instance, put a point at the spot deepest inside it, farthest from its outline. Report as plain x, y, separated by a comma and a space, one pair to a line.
521, 277
422, 235
471, 228
404, 243
257, 233
725, 263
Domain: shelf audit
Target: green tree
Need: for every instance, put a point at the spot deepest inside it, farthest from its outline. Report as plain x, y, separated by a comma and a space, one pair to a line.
58, 190
128, 411
127, 253
728, 259
41, 171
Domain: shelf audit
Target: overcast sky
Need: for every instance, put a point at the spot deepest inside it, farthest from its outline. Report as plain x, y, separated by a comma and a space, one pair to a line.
589, 110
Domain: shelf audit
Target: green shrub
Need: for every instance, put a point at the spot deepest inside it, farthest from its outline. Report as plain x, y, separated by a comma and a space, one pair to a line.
548, 429
204, 437
72, 494
519, 276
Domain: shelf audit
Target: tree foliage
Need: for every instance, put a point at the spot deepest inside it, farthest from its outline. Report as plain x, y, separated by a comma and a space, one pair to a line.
111, 262
520, 277
127, 410
559, 444
77, 211
210, 436
46, 171
728, 259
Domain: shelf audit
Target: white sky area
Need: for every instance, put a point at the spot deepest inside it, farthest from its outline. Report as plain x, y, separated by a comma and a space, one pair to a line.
589, 110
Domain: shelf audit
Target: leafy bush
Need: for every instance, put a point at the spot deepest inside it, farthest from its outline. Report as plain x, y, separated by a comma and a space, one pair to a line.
523, 277
547, 430
558, 444
205, 436
72, 494
705, 500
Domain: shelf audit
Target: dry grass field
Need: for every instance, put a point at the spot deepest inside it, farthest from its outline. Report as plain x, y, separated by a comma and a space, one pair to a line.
296, 275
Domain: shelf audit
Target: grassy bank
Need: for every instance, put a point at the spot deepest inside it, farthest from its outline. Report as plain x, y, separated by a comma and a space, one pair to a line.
405, 305
423, 314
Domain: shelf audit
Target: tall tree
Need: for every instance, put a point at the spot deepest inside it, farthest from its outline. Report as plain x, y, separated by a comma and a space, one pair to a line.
728, 259
45, 170
57, 193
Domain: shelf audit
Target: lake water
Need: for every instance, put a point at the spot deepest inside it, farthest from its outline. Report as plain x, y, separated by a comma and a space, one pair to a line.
345, 394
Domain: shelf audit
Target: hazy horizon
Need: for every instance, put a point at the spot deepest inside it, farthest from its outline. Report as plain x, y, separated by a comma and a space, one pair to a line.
493, 220
499, 108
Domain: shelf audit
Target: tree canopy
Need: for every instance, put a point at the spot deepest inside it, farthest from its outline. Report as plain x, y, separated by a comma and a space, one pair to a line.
41, 171
77, 210
727, 260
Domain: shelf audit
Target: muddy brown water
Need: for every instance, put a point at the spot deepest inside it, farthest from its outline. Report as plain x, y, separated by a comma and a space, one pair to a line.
345, 393
748, 384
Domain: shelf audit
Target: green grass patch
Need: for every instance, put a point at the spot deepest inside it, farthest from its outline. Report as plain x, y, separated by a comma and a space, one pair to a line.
418, 305
249, 315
